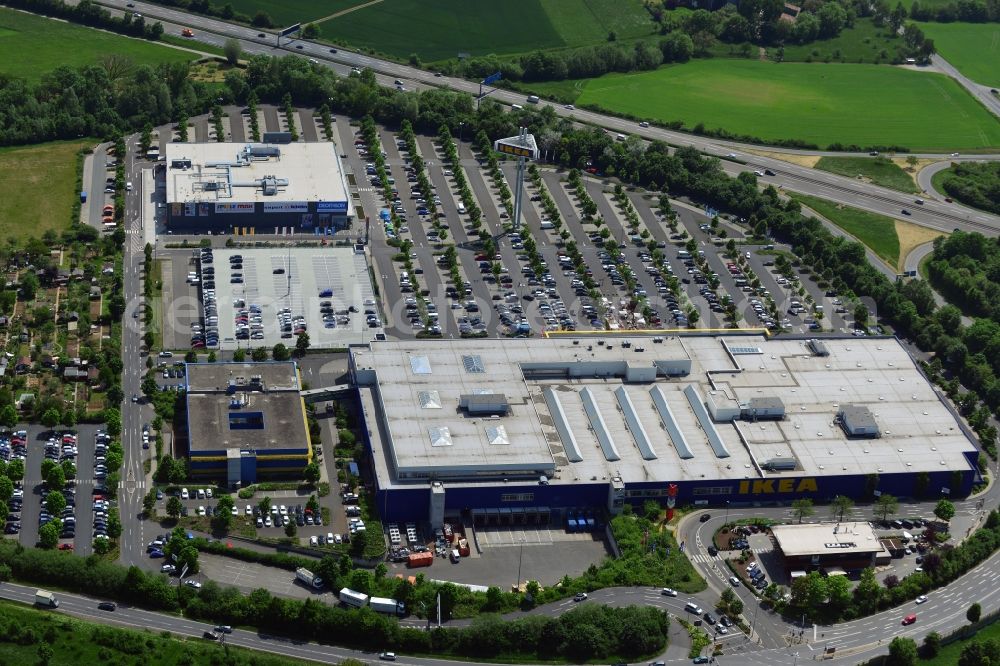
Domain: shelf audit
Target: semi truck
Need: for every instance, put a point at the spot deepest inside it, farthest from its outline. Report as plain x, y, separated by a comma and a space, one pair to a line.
351, 598
386, 605
309, 578
46, 599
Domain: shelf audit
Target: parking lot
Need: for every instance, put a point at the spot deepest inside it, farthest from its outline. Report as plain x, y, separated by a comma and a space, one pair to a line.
631, 266
79, 446
262, 296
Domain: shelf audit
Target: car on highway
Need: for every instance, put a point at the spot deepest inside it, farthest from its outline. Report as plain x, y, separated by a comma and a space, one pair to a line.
909, 619
643, 124
734, 581
668, 592
700, 660
705, 517
905, 211
223, 629
922, 599
569, 107
580, 596
758, 173
107, 605
210, 635
387, 656
298, 46
187, 32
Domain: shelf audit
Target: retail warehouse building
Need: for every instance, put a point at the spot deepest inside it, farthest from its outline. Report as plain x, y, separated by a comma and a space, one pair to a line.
539, 430
253, 188
246, 421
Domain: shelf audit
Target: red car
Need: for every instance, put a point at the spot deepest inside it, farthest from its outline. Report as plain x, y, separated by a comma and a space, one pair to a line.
65, 546
909, 619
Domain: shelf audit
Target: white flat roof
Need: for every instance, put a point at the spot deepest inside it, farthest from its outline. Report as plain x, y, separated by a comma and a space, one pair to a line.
826, 539
557, 425
312, 170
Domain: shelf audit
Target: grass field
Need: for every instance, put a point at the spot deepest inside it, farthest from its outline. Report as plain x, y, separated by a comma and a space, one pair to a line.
435, 30
76, 642
863, 42
880, 171
39, 186
948, 656
878, 232
288, 12
973, 48
32, 45
865, 105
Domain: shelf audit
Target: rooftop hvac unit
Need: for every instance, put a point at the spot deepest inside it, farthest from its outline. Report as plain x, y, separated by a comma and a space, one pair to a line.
779, 464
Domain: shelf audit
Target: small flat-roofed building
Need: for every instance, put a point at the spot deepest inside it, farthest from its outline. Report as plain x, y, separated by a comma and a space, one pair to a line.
828, 546
248, 188
246, 421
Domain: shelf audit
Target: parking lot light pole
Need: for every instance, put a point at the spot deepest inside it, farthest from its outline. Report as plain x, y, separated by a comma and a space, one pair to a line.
727, 514
519, 555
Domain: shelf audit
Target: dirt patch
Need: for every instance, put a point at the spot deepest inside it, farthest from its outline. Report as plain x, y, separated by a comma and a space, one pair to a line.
912, 235
914, 169
210, 71
802, 160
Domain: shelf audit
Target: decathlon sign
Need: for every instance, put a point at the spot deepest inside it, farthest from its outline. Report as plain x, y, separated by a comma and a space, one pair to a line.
331, 206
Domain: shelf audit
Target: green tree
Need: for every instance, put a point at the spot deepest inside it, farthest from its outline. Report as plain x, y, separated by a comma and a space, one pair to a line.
232, 50
931, 645
8, 416
886, 505
280, 353
974, 613
302, 344
264, 506
174, 507
902, 652
802, 508
944, 510
239, 355
69, 469
55, 502
262, 20
310, 31
15, 470
149, 502
56, 478
114, 524
259, 354
290, 529
48, 534
148, 386
841, 506
311, 473
6, 489
51, 418
224, 512
45, 654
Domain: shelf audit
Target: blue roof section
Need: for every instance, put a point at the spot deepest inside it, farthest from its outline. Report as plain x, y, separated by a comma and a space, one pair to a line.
634, 425
570, 445
599, 426
670, 423
698, 407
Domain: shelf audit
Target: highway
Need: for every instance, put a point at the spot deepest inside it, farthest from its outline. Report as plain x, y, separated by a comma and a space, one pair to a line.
938, 215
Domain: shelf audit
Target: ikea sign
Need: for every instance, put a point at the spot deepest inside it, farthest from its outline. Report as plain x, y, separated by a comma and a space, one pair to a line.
772, 486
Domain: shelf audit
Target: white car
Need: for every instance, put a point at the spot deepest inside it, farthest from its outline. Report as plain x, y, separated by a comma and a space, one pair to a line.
313, 541
208, 493
184, 493
268, 522
193, 583
249, 510
668, 592
283, 510
329, 538
235, 511
168, 568
922, 599
201, 511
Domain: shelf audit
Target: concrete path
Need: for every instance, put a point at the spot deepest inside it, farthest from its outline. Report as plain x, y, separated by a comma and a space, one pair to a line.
980, 92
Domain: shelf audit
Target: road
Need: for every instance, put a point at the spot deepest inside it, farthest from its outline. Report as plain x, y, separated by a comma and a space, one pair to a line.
977, 90
133, 477
859, 639
936, 215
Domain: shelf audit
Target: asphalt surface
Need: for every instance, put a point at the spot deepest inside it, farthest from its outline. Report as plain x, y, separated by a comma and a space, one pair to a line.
937, 215
133, 478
